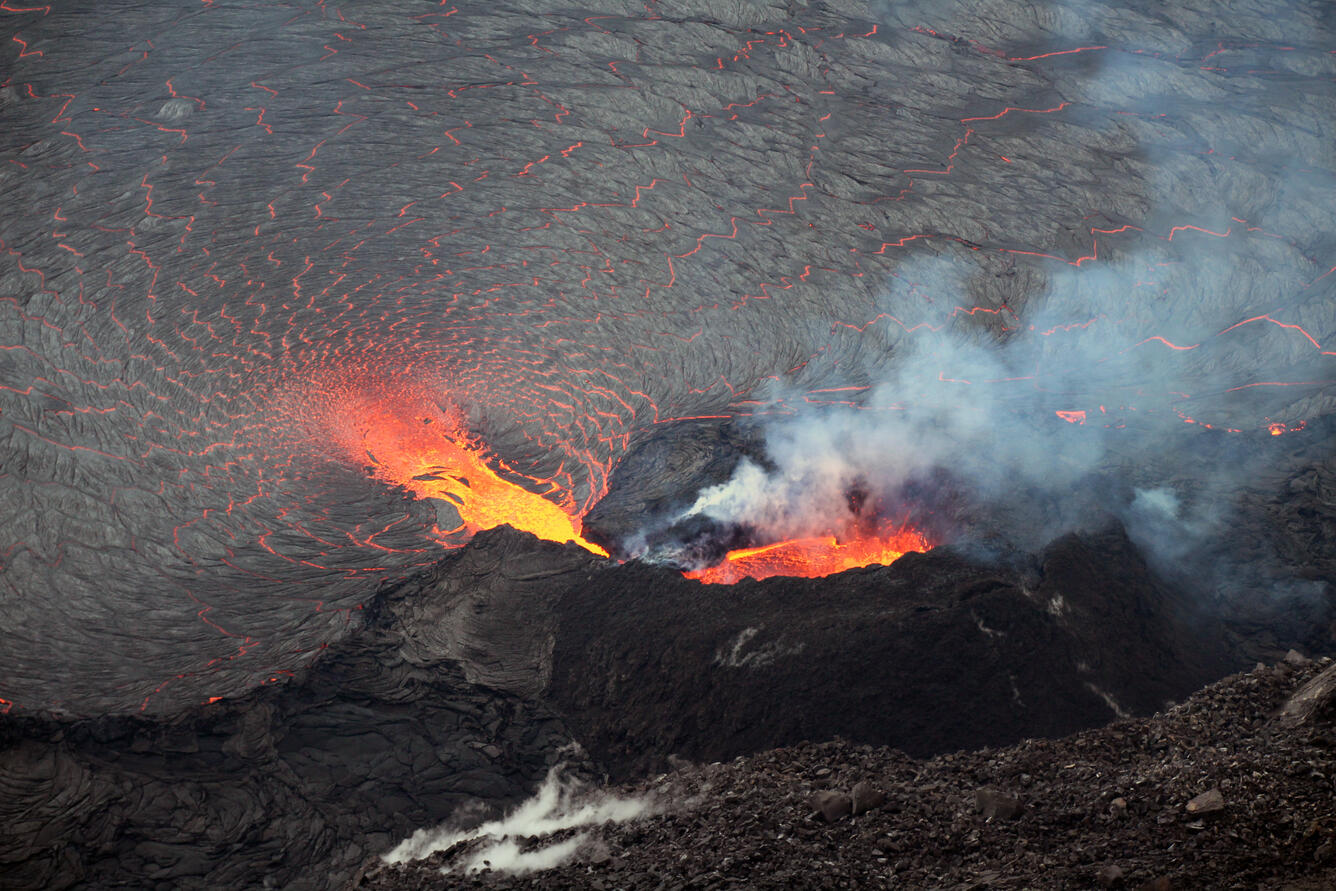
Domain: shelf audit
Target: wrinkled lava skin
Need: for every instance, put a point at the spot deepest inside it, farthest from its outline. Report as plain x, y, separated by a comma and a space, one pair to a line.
460, 686
566, 228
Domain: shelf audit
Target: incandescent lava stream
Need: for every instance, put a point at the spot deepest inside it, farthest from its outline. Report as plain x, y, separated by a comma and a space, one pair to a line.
810, 557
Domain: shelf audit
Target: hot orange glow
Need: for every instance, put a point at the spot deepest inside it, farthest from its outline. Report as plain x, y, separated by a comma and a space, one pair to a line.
422, 449
811, 557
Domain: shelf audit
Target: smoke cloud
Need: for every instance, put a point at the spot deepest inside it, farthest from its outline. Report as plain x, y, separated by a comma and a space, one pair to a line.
559, 805
1126, 389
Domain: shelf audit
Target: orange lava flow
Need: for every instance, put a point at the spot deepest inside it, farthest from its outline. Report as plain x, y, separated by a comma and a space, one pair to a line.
810, 557
425, 456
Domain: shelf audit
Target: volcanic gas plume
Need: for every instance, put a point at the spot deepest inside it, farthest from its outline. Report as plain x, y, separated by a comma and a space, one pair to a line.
294, 295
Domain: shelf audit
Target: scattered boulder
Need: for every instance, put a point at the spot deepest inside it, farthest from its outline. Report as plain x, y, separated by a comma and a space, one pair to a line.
1110, 876
1312, 700
832, 805
994, 805
867, 797
1208, 802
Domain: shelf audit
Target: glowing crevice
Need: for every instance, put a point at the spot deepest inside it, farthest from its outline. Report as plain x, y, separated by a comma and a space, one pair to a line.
811, 557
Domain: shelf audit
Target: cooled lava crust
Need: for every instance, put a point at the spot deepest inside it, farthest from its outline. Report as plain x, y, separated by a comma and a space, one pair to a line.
459, 688
239, 240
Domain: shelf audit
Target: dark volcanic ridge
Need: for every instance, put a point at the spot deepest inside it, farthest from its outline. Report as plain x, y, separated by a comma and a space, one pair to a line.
644, 663
1218, 792
456, 691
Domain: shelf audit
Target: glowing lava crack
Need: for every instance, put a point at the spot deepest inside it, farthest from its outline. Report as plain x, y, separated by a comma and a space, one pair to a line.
811, 557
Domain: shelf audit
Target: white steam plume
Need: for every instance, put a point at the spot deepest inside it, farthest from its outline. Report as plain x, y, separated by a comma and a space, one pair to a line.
1105, 376
557, 806
1197, 293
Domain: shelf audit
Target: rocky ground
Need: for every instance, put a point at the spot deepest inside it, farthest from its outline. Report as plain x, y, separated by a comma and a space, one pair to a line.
1218, 792
454, 692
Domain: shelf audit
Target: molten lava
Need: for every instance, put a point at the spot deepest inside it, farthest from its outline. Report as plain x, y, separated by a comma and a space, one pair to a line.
426, 452
811, 557
457, 472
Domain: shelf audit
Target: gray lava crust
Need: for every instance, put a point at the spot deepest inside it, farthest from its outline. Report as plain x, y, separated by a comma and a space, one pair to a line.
457, 689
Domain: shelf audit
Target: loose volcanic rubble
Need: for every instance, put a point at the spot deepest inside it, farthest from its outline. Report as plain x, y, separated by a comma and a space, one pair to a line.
1218, 792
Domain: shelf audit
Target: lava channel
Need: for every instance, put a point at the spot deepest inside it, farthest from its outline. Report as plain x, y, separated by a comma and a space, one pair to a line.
431, 459
811, 557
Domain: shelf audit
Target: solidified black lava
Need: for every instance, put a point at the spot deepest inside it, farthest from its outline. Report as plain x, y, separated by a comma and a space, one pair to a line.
937, 652
577, 225
460, 686
294, 785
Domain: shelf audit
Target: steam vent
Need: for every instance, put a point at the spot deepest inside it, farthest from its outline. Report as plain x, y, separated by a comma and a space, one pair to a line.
407, 409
